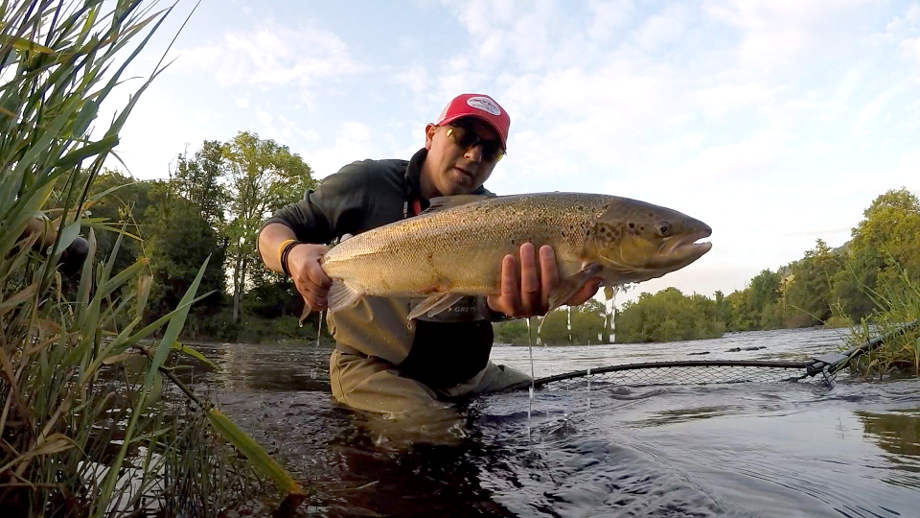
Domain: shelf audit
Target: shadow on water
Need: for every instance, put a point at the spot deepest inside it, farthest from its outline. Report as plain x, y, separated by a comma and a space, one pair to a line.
593, 449
895, 432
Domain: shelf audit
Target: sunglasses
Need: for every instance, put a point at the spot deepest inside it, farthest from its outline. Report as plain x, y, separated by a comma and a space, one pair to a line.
466, 137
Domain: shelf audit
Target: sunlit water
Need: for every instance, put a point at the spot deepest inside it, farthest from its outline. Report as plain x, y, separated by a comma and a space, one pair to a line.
598, 449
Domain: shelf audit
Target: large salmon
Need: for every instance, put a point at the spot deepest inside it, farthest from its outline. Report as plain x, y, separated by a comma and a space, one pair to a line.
456, 247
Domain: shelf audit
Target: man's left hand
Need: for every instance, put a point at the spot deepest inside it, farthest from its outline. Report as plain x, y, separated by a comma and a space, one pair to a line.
526, 283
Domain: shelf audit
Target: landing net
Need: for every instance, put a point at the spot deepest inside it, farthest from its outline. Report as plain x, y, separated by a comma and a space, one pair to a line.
822, 369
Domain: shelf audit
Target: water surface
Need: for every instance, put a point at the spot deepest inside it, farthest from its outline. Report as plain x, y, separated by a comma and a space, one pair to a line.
593, 447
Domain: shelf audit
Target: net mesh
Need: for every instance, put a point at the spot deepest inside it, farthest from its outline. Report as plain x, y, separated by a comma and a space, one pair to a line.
823, 369
686, 373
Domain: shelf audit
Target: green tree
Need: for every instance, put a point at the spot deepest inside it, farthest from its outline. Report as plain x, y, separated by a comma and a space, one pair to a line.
263, 176
272, 295
764, 290
882, 249
667, 316
742, 318
808, 293
723, 308
588, 323
554, 329
178, 240
199, 180
511, 332
855, 282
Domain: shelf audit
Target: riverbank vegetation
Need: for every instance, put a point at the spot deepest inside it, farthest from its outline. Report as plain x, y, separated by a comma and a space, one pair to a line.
89, 425
897, 322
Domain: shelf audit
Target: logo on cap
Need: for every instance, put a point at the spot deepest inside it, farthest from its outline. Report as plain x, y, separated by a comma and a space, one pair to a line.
485, 104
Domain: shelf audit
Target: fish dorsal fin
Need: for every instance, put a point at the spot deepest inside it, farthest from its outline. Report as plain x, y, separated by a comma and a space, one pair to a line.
437, 303
447, 202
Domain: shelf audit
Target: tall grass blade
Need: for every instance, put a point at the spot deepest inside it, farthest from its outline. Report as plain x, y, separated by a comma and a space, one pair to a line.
258, 458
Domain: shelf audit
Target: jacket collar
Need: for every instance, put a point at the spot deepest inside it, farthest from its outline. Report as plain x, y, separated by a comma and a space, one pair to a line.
413, 175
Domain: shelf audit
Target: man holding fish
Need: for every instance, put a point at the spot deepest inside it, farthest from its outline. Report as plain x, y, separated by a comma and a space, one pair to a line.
471, 253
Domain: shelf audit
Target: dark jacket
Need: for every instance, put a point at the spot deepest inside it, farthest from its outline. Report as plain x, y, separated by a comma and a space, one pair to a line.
364, 195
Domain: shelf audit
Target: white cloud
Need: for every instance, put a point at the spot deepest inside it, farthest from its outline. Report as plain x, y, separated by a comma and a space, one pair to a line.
778, 33
608, 16
911, 48
353, 141
415, 78
908, 22
870, 114
722, 97
273, 55
662, 28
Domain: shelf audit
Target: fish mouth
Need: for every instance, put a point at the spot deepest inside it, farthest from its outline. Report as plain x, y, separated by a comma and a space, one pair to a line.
686, 247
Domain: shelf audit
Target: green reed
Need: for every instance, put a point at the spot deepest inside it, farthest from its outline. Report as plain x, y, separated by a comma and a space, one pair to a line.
899, 354
81, 433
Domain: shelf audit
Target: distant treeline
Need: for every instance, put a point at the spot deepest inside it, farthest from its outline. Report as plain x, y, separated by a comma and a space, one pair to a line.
825, 287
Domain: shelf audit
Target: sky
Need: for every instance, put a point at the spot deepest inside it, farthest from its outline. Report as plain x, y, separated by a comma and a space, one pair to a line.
776, 122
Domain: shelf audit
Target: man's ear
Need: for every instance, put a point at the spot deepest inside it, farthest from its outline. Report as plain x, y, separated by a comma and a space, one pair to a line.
430, 130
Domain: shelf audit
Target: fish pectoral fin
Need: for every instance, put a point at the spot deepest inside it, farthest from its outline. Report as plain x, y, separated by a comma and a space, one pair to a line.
435, 304
446, 202
570, 286
341, 296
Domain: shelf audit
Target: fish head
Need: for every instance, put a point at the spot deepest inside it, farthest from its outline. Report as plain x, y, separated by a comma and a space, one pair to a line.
635, 241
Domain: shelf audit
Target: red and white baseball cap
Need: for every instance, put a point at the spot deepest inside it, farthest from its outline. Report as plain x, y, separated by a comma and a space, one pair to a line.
480, 106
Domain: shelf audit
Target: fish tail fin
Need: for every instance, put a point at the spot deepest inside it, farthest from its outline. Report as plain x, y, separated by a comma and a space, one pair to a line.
341, 296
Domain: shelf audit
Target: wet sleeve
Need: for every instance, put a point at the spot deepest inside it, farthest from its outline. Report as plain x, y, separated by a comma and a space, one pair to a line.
331, 210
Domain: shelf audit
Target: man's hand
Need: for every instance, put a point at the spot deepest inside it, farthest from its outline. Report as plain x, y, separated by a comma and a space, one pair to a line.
308, 276
526, 285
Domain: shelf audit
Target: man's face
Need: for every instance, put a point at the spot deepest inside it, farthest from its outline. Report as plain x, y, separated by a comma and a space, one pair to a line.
452, 168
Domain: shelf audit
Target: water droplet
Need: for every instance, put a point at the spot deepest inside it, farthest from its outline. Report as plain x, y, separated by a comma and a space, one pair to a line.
568, 323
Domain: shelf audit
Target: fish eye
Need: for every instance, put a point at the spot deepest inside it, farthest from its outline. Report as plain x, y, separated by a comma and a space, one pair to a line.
664, 229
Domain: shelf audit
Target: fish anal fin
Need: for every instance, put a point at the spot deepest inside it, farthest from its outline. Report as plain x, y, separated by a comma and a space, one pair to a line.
435, 304
569, 286
341, 296
447, 202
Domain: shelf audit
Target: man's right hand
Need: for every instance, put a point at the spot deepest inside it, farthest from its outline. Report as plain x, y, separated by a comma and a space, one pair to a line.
308, 276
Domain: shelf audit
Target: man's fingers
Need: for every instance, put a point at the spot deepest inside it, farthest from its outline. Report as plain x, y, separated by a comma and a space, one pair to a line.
530, 279
308, 275
317, 276
314, 296
510, 285
549, 274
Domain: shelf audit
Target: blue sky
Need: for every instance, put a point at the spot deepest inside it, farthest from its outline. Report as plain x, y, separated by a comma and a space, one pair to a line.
776, 122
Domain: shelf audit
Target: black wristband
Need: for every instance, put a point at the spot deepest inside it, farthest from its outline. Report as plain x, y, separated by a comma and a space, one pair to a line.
284, 255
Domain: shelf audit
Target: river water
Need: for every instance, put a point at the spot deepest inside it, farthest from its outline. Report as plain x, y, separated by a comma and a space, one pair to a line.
596, 447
